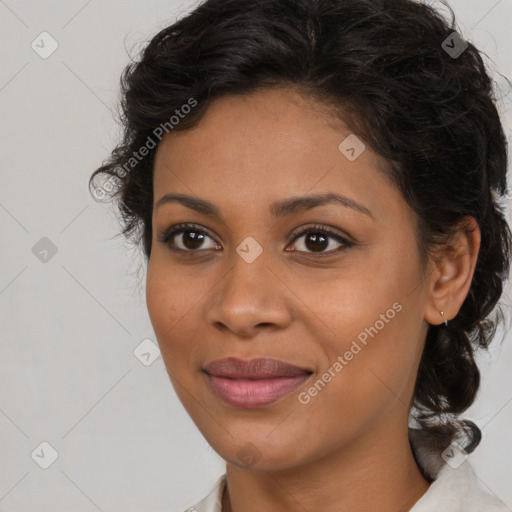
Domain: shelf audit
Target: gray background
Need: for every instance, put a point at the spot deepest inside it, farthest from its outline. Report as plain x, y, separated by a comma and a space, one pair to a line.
69, 325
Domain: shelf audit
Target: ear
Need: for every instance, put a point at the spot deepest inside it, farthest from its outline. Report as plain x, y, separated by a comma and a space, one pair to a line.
452, 272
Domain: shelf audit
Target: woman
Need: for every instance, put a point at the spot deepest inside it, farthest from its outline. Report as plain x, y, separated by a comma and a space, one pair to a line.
315, 185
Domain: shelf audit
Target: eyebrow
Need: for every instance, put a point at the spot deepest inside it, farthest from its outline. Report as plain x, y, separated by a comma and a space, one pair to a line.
278, 209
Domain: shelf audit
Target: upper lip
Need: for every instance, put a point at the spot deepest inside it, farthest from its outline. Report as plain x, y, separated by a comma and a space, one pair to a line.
259, 368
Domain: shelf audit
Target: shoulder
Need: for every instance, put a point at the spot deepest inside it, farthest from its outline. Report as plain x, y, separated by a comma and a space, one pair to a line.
458, 490
212, 502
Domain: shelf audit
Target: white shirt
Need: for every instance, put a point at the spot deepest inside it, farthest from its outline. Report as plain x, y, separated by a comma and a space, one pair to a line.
453, 489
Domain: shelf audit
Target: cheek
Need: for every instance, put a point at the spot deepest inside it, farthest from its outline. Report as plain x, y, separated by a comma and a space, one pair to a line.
373, 341
168, 299
349, 299
159, 299
175, 297
362, 382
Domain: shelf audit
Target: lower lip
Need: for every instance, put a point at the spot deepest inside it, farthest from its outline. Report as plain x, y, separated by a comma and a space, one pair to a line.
247, 393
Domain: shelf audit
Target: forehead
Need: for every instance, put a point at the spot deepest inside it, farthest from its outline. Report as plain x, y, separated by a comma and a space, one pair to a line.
258, 148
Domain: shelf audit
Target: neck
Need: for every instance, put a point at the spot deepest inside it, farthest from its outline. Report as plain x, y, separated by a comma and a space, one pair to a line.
374, 472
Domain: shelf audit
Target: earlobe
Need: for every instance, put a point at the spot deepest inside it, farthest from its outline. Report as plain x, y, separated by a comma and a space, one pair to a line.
453, 273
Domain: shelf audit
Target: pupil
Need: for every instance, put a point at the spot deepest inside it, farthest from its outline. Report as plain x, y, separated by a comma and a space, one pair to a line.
314, 242
319, 242
192, 239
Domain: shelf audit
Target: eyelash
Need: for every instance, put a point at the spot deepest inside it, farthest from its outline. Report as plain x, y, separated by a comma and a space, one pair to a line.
317, 229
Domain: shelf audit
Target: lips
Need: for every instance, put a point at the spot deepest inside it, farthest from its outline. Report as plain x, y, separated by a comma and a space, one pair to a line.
254, 383
262, 368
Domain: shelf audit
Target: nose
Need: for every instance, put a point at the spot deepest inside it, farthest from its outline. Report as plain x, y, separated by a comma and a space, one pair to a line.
249, 297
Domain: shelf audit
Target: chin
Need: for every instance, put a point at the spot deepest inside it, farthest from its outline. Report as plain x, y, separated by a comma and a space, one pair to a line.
258, 454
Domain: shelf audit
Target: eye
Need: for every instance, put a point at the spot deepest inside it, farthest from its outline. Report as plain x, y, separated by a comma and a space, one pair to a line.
317, 239
188, 238
191, 238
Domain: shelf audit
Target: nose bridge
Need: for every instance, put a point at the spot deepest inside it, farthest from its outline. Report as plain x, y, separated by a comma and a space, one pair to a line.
247, 283
248, 294
248, 261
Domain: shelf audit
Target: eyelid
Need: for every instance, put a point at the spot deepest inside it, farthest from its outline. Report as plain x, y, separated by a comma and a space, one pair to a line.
175, 229
166, 236
320, 228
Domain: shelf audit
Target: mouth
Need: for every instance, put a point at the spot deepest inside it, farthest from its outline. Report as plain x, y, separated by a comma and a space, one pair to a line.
254, 383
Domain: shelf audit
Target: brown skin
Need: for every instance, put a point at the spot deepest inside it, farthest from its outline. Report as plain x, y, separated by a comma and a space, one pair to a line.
347, 449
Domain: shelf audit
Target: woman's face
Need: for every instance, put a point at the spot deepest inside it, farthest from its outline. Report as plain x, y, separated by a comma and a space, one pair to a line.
243, 283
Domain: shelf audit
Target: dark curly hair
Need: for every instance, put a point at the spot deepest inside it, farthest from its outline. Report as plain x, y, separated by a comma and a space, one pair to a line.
385, 68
